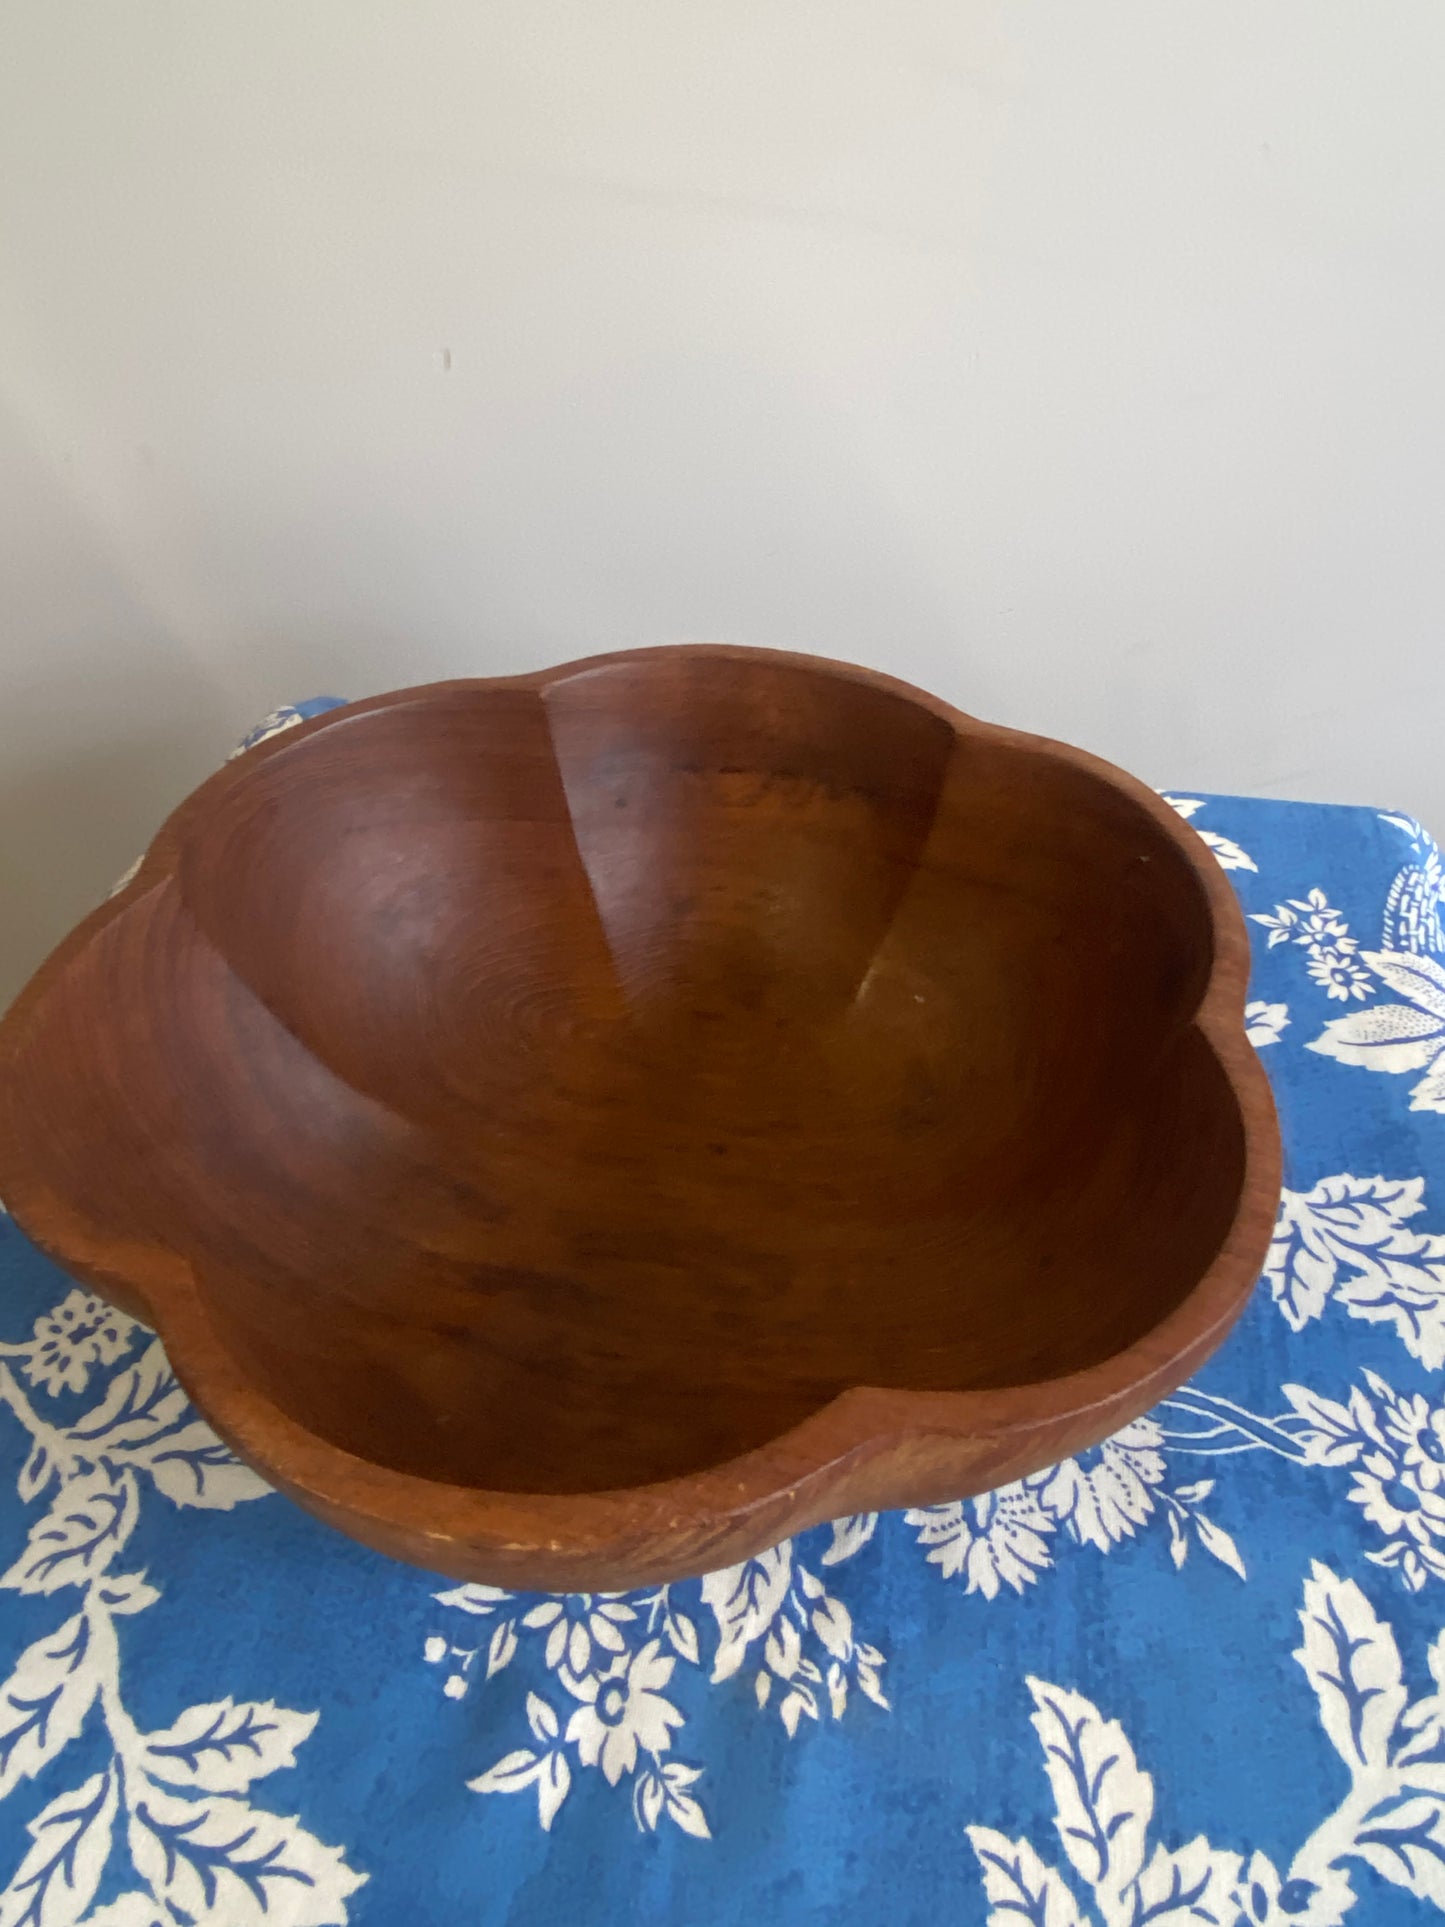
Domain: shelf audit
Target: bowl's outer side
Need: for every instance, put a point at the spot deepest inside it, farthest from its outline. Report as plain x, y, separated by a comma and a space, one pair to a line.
866, 1450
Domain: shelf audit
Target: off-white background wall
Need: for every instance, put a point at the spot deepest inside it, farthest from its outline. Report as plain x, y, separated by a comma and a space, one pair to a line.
1083, 362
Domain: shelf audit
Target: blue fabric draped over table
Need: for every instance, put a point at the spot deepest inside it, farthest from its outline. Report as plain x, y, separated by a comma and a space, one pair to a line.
1197, 1675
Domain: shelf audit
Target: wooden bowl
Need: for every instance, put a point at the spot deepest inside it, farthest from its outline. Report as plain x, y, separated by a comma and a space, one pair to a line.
572, 1130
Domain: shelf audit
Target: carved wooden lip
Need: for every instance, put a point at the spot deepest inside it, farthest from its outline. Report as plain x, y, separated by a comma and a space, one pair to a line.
866, 1449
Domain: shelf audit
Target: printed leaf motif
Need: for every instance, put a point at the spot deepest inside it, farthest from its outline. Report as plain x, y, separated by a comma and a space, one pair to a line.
57, 1879
1229, 854
1398, 1037
1265, 1023
1182, 1889
501, 1648
1300, 1274
146, 1420
88, 1523
1429, 1093
1404, 1839
1424, 1719
548, 1772
1337, 1434
744, 1600
794, 1705
221, 1747
45, 1700
682, 1636
850, 1535
193, 1468
140, 1403
126, 1592
833, 1624
227, 1864
542, 1720
679, 1805
131, 1910
1178, 1541
1104, 1801
1386, 1037
1217, 1541
869, 1660
1418, 978
474, 1599
1393, 1274
510, 1774
553, 1783
1391, 1815
783, 1649
36, 1473
1018, 1884
1351, 1660
647, 1799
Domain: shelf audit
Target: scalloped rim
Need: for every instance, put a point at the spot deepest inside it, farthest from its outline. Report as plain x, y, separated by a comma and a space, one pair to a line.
746, 1503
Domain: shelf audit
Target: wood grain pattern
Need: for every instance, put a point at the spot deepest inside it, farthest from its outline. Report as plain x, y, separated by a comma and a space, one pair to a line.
572, 1130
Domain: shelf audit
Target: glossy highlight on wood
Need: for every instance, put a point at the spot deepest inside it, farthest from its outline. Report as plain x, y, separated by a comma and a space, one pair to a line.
572, 1130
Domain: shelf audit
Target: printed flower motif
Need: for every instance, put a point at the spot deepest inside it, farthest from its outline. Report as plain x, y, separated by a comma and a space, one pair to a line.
1266, 1900
1100, 1498
1396, 1445
1421, 1433
1265, 1023
576, 1621
1105, 1494
1336, 971
622, 1710
621, 1721
1397, 1037
1322, 933
1392, 1497
82, 1332
998, 1539
1399, 1485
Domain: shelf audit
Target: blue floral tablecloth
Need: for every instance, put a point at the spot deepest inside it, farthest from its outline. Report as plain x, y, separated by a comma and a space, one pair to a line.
1197, 1675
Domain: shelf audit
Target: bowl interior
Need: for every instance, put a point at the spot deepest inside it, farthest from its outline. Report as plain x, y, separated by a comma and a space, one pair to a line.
570, 1087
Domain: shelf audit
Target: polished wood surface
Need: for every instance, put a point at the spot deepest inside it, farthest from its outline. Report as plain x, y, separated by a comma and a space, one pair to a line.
572, 1130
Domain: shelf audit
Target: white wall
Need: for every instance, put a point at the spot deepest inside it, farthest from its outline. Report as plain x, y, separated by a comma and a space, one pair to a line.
1085, 363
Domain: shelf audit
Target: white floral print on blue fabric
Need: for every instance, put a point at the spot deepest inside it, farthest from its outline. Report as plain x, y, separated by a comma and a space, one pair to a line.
612, 1659
174, 1801
1307, 1461
1226, 850
1404, 1036
1390, 1816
